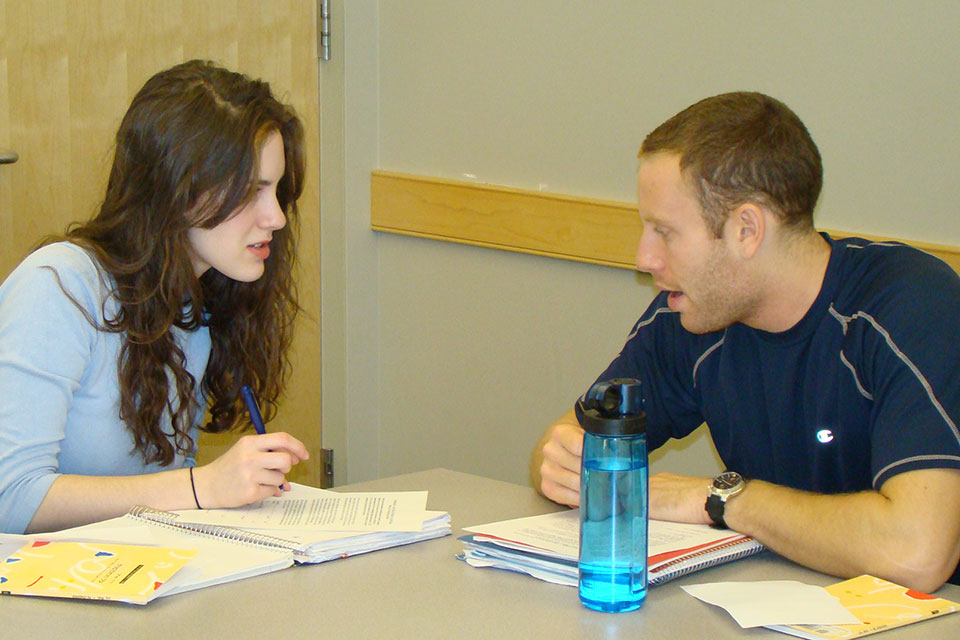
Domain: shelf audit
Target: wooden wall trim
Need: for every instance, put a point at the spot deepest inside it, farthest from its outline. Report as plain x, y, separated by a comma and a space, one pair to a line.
569, 227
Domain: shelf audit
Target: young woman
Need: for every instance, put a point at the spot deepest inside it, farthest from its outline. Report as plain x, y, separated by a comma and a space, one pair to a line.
116, 339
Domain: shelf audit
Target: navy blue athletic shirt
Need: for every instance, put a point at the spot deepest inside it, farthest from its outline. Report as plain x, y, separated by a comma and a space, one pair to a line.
864, 387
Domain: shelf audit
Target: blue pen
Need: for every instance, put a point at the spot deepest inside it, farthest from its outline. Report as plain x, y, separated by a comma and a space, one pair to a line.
253, 409
251, 401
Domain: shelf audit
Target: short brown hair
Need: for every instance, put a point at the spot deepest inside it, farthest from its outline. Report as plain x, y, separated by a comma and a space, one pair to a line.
744, 147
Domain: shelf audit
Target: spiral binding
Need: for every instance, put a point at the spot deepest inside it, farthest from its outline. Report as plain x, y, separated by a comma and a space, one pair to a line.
169, 520
703, 559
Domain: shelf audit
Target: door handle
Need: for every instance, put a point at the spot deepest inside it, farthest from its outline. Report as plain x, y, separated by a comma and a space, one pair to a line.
8, 157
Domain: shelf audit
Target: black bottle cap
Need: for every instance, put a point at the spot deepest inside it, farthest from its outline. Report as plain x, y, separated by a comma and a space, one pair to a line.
613, 408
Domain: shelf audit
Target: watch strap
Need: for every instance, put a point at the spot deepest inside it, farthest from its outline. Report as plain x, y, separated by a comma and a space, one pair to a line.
715, 508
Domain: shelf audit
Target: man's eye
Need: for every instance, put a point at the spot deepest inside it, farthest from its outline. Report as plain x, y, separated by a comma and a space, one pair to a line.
661, 231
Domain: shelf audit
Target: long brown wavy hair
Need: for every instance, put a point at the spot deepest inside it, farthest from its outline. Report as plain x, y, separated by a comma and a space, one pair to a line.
188, 155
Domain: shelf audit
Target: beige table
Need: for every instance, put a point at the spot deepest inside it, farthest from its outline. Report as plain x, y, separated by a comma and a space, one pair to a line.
419, 591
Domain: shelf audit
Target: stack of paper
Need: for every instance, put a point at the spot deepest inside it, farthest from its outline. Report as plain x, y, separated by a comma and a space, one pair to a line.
547, 547
321, 546
322, 525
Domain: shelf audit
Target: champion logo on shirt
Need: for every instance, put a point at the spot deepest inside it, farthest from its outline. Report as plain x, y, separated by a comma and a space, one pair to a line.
825, 436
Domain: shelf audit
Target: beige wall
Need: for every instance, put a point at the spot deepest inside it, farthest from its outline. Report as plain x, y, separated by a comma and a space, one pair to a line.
448, 355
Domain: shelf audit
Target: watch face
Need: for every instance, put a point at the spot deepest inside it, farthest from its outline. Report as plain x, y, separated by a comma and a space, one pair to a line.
727, 480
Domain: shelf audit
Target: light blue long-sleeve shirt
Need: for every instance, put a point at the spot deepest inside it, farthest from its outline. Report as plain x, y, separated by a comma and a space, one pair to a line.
59, 391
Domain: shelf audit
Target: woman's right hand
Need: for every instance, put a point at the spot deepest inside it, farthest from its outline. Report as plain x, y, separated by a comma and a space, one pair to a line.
252, 469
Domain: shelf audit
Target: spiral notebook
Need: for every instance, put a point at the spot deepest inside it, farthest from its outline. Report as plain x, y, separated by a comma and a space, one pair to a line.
218, 559
547, 547
227, 553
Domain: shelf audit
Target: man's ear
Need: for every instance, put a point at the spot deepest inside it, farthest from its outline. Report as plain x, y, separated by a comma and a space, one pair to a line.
748, 227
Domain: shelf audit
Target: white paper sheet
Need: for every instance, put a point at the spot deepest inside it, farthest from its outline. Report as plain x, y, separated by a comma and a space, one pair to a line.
318, 510
557, 533
773, 602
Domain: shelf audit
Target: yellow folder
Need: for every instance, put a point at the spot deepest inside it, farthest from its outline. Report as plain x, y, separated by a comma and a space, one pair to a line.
89, 570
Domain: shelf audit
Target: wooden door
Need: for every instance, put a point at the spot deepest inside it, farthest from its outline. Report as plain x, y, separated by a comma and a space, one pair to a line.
68, 71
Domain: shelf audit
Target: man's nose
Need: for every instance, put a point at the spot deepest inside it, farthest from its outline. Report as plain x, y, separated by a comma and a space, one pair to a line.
649, 259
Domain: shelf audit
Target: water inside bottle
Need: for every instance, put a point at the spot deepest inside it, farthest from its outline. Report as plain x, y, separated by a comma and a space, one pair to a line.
613, 547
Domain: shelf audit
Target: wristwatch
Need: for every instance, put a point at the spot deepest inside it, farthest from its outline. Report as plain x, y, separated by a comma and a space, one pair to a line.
724, 486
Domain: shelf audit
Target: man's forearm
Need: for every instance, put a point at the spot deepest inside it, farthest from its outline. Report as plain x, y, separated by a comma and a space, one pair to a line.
836, 534
908, 533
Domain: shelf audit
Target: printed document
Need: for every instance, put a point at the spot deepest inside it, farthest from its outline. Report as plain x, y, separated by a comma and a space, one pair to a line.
319, 510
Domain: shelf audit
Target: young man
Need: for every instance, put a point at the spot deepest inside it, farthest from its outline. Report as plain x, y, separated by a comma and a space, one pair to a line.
827, 370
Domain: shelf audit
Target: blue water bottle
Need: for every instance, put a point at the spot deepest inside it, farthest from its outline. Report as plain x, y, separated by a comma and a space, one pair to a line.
613, 496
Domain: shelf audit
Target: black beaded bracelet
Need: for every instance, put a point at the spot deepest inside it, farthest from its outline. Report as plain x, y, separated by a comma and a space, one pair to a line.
194, 487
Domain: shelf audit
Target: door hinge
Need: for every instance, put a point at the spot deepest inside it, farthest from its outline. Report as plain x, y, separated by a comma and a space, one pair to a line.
323, 29
326, 468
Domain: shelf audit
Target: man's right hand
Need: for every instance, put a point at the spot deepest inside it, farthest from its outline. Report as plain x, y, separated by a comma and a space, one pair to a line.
555, 462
